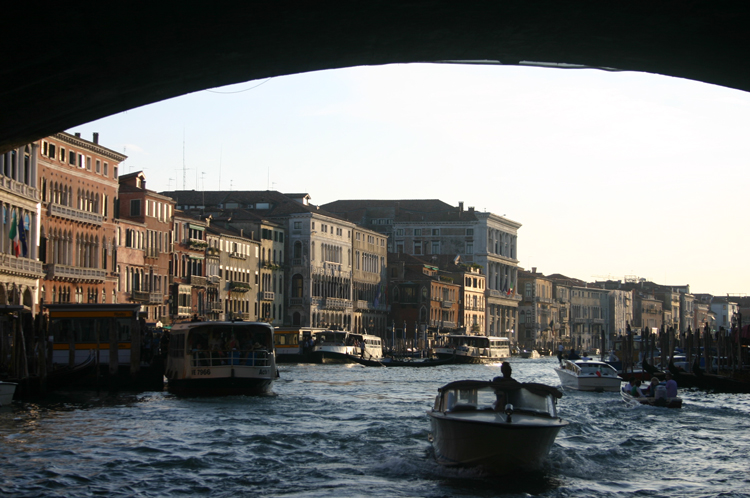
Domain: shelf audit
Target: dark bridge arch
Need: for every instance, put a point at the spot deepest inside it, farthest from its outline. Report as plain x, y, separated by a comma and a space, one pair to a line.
77, 61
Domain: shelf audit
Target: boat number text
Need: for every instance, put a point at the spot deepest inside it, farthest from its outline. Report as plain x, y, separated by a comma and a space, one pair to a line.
201, 371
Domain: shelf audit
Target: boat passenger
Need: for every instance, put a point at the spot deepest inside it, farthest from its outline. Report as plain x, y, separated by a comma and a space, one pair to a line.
636, 390
628, 388
573, 355
671, 386
652, 387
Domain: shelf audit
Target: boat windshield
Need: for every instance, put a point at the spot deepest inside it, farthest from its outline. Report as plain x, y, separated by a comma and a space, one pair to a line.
489, 398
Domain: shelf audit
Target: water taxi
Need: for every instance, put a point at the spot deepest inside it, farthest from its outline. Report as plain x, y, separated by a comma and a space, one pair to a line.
588, 375
339, 346
502, 426
474, 348
221, 358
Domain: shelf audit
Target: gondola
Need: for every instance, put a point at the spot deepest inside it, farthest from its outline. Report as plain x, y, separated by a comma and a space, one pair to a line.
390, 362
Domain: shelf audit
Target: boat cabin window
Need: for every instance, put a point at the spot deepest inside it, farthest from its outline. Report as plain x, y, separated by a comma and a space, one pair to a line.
89, 329
286, 339
524, 400
462, 399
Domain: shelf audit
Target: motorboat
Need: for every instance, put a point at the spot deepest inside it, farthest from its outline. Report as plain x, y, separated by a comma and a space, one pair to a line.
660, 399
528, 353
588, 375
500, 426
474, 348
221, 358
408, 362
7, 390
339, 346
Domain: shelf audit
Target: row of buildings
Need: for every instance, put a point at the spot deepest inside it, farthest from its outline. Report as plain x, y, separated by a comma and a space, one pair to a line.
79, 232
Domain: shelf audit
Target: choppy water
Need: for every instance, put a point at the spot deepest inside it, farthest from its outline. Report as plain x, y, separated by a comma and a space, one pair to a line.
348, 430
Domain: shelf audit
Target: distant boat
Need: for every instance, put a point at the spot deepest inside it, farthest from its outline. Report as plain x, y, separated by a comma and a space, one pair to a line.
528, 353
474, 348
339, 346
501, 426
7, 390
588, 375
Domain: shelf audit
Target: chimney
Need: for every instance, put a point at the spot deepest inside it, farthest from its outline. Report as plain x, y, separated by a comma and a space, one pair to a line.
461, 206
96, 137
533, 269
471, 209
78, 135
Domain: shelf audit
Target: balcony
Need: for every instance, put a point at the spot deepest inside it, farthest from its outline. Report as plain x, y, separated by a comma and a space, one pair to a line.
214, 306
19, 188
362, 305
146, 297
267, 296
73, 214
238, 287
296, 261
333, 303
184, 310
446, 304
213, 251
214, 280
237, 255
198, 281
23, 267
75, 273
197, 244
296, 301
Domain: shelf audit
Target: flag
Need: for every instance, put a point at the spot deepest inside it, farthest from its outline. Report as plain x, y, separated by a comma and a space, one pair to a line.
22, 237
13, 235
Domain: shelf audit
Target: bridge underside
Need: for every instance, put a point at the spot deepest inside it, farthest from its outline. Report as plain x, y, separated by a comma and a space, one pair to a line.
77, 61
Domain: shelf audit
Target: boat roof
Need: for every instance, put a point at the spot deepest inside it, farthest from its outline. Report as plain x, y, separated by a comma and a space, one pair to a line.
589, 361
236, 323
500, 384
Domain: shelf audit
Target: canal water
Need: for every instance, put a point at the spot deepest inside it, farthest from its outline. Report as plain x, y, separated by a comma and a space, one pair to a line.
349, 430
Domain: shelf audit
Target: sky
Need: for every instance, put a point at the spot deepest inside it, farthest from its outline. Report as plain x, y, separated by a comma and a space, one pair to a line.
611, 174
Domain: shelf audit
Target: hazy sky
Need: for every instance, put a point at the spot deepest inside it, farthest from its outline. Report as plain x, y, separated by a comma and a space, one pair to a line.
610, 173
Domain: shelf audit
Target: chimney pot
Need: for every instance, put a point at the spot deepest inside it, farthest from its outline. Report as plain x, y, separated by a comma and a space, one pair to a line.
96, 137
78, 135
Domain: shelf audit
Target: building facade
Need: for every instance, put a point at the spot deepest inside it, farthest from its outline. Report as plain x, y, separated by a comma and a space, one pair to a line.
78, 181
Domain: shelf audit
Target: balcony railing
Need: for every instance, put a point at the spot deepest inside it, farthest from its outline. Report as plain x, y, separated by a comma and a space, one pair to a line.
147, 297
334, 303
184, 310
198, 281
296, 301
214, 306
239, 287
237, 255
446, 304
75, 273
214, 279
197, 244
19, 188
21, 266
74, 214
267, 296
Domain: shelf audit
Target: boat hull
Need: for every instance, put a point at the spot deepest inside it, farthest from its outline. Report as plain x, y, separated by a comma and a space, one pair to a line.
588, 382
232, 386
7, 390
675, 402
330, 357
499, 448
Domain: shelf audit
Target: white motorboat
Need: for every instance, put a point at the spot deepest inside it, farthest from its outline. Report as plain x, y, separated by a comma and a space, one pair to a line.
339, 346
474, 349
221, 358
7, 390
588, 375
501, 426
528, 353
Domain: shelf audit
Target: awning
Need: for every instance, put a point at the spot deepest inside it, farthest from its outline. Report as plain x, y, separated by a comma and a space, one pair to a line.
196, 227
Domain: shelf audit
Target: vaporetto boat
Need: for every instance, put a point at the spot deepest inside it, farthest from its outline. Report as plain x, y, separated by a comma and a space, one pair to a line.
474, 348
221, 358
